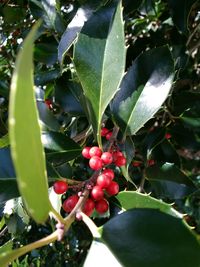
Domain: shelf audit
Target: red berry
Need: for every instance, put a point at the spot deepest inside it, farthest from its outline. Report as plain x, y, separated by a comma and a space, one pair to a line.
113, 188
60, 187
101, 206
104, 131
48, 103
151, 162
107, 158
168, 135
120, 161
97, 192
109, 172
108, 135
136, 163
89, 207
70, 203
103, 180
95, 151
85, 152
116, 154
95, 163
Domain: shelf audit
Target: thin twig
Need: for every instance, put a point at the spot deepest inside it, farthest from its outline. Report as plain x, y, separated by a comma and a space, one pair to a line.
3, 231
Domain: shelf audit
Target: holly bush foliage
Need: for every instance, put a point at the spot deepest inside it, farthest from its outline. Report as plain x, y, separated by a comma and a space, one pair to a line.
69, 68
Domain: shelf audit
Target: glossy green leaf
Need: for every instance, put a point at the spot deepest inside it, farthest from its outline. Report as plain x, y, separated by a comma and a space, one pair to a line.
131, 199
165, 152
180, 15
143, 89
42, 78
8, 189
60, 148
48, 11
75, 26
4, 141
25, 136
99, 58
67, 101
46, 53
169, 181
148, 237
6, 164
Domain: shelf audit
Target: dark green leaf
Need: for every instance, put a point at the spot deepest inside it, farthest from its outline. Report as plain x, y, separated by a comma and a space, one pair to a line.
8, 189
25, 136
129, 200
46, 53
42, 78
47, 10
67, 101
165, 152
13, 14
180, 11
6, 164
47, 117
73, 29
169, 181
130, 6
60, 148
75, 26
143, 89
99, 58
148, 237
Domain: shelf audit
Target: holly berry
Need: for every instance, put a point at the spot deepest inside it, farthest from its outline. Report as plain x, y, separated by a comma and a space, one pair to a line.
108, 135
168, 135
136, 163
85, 152
70, 203
97, 192
109, 172
103, 180
89, 207
60, 187
101, 206
104, 131
116, 154
113, 188
48, 103
120, 161
95, 163
107, 158
151, 162
95, 151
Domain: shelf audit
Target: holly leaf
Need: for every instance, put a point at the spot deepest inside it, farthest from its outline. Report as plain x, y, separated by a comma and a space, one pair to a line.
143, 89
180, 15
169, 181
130, 199
60, 148
99, 58
25, 137
146, 237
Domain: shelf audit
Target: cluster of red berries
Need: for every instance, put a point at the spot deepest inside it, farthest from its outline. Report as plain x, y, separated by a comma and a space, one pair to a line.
104, 182
98, 159
96, 200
